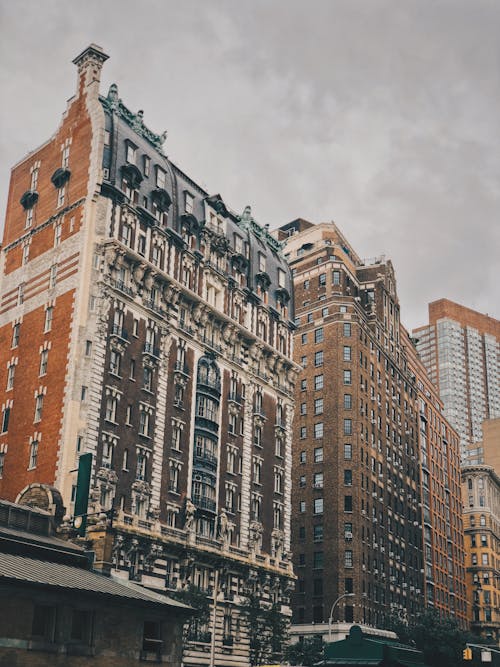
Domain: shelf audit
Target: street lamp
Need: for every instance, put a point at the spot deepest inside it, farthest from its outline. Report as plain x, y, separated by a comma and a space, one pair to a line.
341, 597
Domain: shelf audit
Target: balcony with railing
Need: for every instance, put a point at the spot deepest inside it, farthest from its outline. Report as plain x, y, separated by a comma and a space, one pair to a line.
121, 332
205, 458
205, 503
150, 349
181, 367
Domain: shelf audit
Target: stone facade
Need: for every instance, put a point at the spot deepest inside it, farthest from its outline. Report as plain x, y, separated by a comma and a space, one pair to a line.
171, 363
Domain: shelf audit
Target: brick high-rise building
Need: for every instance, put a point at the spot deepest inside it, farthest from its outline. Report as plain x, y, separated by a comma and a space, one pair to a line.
145, 323
461, 350
366, 544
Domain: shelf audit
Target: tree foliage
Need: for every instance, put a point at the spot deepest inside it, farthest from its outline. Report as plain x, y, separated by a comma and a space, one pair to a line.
307, 652
197, 599
440, 639
267, 630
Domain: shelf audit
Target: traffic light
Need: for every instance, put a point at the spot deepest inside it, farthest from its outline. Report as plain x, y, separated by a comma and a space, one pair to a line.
467, 653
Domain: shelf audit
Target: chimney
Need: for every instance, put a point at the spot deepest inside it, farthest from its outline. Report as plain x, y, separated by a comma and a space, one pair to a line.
89, 63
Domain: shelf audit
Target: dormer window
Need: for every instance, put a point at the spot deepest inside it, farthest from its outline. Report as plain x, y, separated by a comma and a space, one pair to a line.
262, 262
188, 202
131, 153
281, 278
161, 178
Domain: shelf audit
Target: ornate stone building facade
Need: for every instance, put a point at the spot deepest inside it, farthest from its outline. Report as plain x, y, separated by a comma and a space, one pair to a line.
143, 322
358, 514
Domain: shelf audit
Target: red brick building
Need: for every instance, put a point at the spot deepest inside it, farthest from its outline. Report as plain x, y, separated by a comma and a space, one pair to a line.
357, 515
144, 322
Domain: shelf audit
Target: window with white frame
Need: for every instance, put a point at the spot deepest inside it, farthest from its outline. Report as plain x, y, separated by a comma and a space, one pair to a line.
11, 371
34, 178
144, 423
57, 234
110, 410
188, 202
29, 218
257, 470
278, 480
61, 195
318, 430
49, 313
130, 153
16, 329
33, 460
26, 253
161, 178
115, 359
141, 465
53, 276
44, 359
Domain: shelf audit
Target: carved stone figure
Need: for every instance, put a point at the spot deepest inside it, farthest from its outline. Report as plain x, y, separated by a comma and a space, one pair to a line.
113, 94
163, 137
223, 527
189, 513
246, 216
255, 540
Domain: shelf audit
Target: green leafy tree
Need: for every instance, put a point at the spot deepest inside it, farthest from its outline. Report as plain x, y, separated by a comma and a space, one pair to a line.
307, 652
440, 639
197, 622
267, 630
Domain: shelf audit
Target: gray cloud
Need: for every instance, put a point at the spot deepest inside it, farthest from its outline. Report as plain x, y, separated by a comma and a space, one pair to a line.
379, 114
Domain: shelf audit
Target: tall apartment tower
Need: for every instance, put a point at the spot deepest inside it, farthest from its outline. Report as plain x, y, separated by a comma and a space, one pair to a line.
361, 519
461, 350
145, 323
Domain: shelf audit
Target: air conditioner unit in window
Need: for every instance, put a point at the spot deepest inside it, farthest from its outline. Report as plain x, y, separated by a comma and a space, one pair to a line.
348, 535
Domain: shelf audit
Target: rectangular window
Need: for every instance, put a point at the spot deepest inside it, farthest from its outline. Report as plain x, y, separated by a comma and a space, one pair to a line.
347, 353
347, 377
347, 503
303, 339
43, 622
303, 408
318, 382
317, 560
303, 384
188, 202
347, 452
161, 178
281, 278
11, 371
318, 406
146, 165
5, 419
131, 153
303, 432
318, 506
318, 335
318, 533
303, 457
33, 454
20, 294
26, 254
347, 401
348, 477
44, 358
318, 454
57, 234
318, 430
81, 626
322, 279
336, 277
348, 558
29, 218
61, 195
148, 378
347, 426
318, 358
38, 408
318, 480
347, 329
53, 276
15, 335
49, 312
302, 506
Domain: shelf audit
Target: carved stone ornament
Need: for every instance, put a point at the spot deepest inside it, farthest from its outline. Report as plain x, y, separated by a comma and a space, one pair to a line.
60, 177
29, 199
132, 175
162, 199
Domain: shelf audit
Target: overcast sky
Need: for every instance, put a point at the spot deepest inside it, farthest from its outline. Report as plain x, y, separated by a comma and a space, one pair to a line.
382, 115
